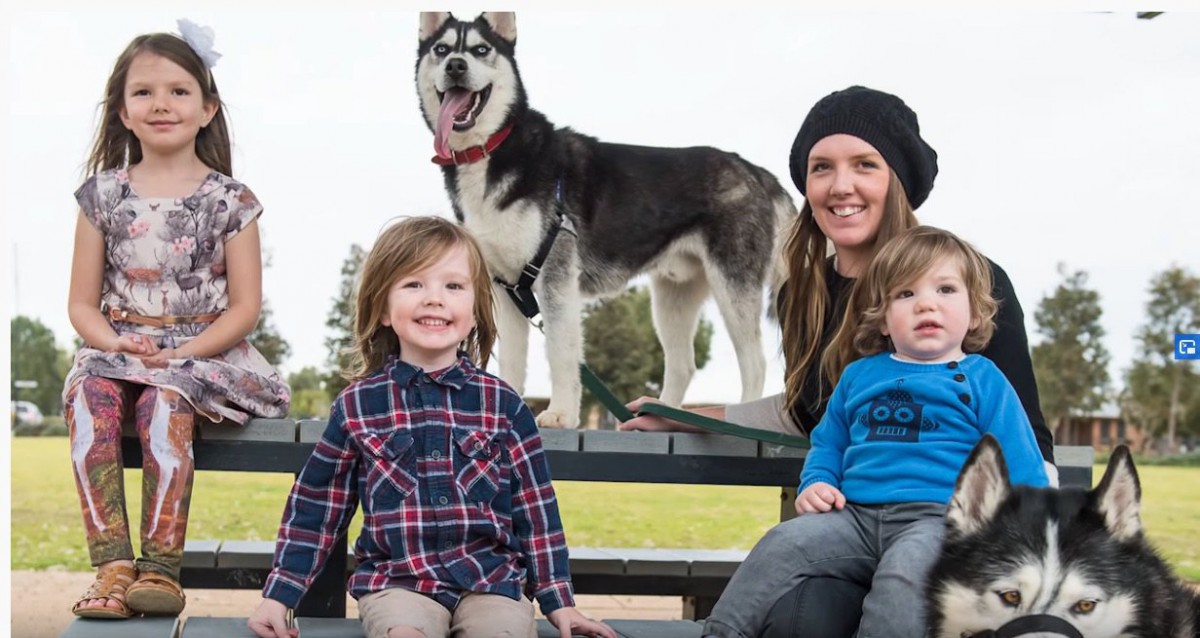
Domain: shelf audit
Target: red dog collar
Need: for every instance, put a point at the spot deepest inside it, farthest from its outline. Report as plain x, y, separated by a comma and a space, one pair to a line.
475, 153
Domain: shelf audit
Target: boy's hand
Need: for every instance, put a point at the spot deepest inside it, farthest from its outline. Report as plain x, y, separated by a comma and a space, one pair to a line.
270, 621
570, 622
819, 497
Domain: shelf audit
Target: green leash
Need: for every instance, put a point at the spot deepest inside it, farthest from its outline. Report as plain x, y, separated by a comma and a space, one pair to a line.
523, 298
618, 409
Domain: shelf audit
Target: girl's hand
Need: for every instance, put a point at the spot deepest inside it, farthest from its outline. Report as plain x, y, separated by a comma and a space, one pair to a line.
270, 621
819, 497
160, 358
570, 622
135, 344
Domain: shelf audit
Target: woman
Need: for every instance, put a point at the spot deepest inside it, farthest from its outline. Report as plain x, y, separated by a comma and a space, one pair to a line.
863, 168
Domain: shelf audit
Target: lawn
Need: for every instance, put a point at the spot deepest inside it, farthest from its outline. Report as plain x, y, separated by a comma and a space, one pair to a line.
47, 529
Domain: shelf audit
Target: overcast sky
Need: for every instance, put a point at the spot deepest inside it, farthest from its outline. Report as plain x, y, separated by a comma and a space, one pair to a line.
1062, 136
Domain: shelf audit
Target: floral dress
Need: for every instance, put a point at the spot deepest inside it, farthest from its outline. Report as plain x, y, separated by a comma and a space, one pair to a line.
166, 256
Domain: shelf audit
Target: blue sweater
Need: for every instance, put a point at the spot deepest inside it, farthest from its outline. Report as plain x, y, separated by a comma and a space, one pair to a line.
899, 432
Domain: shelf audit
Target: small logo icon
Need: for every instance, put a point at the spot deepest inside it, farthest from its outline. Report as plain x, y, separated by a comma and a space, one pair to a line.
1187, 347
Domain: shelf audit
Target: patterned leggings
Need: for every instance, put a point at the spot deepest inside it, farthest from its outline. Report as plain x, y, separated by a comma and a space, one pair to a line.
95, 408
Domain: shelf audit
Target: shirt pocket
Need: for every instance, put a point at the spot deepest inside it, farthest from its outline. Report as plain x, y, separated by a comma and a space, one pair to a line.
390, 464
477, 466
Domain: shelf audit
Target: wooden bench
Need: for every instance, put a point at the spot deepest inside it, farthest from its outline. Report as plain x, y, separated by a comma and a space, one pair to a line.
204, 627
697, 575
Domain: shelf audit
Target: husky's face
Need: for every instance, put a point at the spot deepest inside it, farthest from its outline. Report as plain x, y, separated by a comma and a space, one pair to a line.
466, 77
1013, 552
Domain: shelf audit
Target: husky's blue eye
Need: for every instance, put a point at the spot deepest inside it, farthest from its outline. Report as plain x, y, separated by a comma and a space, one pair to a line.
1012, 597
441, 49
481, 50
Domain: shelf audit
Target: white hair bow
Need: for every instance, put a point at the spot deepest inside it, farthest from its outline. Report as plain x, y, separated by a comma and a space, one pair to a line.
200, 39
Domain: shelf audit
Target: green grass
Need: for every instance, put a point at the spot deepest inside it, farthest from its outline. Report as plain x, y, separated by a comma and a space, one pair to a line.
47, 528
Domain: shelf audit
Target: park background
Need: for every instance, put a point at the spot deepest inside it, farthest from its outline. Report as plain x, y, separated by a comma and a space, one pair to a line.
1064, 137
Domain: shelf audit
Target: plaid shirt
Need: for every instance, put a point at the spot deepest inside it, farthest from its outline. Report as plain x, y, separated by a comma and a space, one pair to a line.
455, 490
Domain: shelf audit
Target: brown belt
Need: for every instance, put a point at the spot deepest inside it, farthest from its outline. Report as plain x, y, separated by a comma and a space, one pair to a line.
116, 314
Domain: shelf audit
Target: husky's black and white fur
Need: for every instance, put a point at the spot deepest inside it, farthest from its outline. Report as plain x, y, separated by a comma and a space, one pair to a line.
1078, 555
698, 220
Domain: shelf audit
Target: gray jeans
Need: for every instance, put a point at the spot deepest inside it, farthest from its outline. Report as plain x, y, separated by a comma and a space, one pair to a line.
889, 548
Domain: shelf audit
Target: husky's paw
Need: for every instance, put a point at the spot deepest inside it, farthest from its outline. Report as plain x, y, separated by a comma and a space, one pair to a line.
557, 419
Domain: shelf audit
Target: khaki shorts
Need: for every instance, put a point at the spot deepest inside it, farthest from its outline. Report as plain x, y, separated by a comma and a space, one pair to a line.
477, 615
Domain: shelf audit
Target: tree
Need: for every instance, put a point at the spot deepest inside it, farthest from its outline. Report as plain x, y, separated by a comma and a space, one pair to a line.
266, 338
1157, 380
620, 345
1071, 364
35, 357
309, 396
340, 321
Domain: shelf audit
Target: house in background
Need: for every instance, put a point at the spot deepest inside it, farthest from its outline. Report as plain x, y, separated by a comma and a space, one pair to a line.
1102, 431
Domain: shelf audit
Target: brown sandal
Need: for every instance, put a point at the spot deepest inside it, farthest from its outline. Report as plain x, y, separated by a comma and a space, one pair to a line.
155, 594
112, 583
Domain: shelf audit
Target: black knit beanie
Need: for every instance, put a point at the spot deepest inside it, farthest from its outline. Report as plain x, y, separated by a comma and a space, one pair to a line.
883, 121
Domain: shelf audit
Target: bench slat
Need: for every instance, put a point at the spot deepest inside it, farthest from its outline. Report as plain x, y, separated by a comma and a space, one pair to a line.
128, 628
626, 442
255, 430
713, 562
593, 560
246, 554
772, 451
556, 439
330, 627
205, 627
695, 444
310, 430
650, 562
200, 553
656, 628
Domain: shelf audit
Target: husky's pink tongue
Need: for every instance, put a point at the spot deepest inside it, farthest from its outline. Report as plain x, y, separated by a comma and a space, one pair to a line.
455, 101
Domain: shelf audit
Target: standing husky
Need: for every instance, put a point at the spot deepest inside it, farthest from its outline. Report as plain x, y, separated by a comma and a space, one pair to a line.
1048, 556
698, 220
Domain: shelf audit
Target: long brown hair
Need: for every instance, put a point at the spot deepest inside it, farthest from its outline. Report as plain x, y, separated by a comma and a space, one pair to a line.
402, 249
898, 263
117, 147
805, 300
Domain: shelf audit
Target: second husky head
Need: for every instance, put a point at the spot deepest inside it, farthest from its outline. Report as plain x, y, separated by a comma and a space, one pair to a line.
1079, 555
467, 78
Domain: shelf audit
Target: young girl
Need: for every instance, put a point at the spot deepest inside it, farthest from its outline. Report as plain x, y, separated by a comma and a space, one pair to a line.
459, 517
165, 286
899, 425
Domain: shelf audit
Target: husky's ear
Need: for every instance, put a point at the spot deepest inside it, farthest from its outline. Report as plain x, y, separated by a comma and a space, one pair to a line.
1118, 497
504, 24
431, 21
982, 486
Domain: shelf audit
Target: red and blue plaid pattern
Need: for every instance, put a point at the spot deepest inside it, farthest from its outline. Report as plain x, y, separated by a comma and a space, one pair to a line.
454, 485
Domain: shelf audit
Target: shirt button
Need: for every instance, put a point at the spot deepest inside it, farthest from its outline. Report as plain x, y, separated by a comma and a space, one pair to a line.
478, 446
437, 454
448, 546
960, 377
965, 398
952, 365
443, 500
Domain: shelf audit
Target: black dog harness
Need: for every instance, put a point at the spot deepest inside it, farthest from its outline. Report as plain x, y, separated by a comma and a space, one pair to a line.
522, 292
1031, 624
